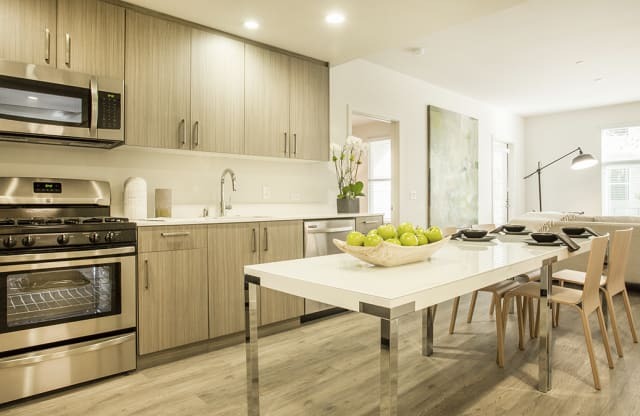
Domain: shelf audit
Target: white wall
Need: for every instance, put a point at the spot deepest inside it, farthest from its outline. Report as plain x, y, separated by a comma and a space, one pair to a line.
372, 89
551, 136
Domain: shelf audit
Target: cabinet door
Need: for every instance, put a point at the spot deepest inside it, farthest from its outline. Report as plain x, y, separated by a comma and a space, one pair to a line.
157, 84
309, 110
266, 102
28, 31
217, 93
280, 240
231, 247
172, 290
91, 37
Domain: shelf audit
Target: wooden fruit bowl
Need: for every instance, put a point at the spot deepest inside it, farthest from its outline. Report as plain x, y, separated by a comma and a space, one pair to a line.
388, 255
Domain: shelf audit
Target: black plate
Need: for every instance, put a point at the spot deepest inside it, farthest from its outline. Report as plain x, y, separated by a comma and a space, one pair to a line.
544, 237
556, 243
523, 232
479, 239
513, 228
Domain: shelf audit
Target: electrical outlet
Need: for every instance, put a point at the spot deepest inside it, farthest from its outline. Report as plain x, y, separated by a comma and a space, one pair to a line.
413, 195
266, 192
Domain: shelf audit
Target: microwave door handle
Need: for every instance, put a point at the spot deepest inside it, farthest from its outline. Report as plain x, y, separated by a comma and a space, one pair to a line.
93, 127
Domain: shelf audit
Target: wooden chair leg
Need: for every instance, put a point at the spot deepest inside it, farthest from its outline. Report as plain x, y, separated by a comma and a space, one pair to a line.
492, 307
589, 342
532, 333
454, 314
605, 336
627, 307
499, 330
519, 312
614, 321
472, 306
556, 317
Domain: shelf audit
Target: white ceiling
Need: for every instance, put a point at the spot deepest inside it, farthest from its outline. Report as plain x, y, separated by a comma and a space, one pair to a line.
299, 26
517, 54
524, 58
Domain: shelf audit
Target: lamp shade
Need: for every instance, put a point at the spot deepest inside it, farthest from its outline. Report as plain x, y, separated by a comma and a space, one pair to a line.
583, 161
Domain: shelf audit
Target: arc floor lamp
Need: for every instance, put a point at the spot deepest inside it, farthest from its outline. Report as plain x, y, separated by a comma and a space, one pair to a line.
581, 161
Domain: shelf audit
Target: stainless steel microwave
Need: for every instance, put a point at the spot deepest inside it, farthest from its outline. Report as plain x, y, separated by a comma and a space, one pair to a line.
39, 104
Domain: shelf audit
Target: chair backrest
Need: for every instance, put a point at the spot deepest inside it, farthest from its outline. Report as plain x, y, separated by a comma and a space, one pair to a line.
618, 260
595, 265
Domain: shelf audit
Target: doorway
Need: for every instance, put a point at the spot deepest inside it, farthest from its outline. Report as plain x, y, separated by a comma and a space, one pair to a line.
500, 182
380, 167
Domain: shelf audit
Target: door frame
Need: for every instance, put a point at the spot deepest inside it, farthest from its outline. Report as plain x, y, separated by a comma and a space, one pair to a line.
509, 147
395, 156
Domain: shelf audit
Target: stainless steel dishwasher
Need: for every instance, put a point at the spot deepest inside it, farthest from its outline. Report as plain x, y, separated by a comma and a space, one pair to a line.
318, 241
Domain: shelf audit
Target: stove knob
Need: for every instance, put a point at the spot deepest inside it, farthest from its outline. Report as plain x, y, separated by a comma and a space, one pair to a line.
9, 242
63, 239
94, 237
28, 241
109, 237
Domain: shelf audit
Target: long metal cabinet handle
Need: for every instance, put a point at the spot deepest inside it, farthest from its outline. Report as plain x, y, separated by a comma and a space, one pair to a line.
176, 234
183, 132
84, 347
146, 273
285, 143
295, 144
196, 134
93, 127
47, 45
254, 241
370, 222
266, 239
67, 49
329, 230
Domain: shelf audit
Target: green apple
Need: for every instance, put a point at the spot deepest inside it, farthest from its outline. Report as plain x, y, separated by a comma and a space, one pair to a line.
393, 241
419, 230
409, 239
406, 227
422, 239
387, 231
433, 234
373, 232
372, 240
355, 238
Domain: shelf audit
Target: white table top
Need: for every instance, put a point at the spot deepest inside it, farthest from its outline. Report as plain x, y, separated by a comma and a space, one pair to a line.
456, 269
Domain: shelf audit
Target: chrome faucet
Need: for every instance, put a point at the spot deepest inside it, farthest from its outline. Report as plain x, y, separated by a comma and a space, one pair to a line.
234, 187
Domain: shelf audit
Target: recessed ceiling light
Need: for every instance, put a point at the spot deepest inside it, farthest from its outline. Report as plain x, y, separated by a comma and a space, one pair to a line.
32, 97
251, 24
334, 18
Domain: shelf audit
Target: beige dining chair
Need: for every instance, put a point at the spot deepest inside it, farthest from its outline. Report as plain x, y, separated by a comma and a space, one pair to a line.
586, 301
612, 283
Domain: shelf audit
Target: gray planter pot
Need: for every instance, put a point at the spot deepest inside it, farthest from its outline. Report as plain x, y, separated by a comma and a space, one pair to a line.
349, 206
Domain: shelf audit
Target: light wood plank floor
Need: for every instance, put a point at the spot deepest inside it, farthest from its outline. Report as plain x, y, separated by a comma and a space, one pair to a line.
331, 368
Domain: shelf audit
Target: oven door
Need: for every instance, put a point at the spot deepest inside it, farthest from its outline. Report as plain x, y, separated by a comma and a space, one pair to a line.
51, 301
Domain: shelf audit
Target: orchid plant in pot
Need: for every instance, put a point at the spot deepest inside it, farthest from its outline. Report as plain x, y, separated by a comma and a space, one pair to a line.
347, 160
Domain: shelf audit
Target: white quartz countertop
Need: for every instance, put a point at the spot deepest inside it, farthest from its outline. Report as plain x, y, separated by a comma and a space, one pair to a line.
149, 222
458, 268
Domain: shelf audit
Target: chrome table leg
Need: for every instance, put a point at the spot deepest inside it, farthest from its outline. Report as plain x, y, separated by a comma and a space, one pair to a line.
251, 348
427, 331
546, 321
388, 367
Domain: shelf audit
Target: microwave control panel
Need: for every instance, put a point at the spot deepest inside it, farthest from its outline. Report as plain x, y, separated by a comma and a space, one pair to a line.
109, 110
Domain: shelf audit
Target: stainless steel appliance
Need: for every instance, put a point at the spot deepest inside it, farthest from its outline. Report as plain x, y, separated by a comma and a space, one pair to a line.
318, 241
39, 104
67, 285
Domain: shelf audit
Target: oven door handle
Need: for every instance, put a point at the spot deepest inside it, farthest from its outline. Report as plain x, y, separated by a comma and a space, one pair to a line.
85, 347
66, 255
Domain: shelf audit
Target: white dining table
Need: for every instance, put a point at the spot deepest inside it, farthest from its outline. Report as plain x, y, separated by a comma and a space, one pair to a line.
389, 293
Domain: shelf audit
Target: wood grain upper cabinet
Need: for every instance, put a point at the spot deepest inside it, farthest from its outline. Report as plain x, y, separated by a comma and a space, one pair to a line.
28, 31
280, 240
266, 102
231, 247
91, 37
217, 93
157, 82
309, 110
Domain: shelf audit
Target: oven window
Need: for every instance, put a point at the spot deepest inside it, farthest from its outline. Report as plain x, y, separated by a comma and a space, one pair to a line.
41, 102
38, 298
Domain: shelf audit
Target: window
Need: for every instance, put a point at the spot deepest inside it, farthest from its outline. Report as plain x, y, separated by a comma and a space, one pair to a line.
379, 178
621, 171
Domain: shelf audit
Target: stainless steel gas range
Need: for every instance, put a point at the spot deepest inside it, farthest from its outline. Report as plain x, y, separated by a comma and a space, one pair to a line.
67, 285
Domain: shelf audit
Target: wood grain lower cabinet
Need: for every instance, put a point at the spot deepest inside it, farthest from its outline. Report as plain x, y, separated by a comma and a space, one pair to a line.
233, 246
28, 31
